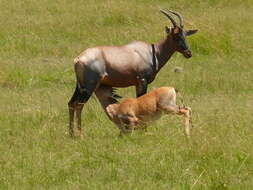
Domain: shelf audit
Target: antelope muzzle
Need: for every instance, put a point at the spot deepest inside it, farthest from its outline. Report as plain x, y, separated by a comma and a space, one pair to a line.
187, 53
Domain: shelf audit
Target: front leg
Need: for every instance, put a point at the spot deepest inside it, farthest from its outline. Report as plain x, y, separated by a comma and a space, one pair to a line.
141, 87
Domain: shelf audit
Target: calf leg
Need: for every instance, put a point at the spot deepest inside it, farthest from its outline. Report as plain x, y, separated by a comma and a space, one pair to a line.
127, 123
123, 129
185, 111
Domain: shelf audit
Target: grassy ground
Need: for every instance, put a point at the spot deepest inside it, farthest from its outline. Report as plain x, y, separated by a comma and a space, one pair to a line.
39, 40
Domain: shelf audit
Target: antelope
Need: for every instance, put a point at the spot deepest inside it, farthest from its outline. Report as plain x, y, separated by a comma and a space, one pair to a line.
134, 113
102, 68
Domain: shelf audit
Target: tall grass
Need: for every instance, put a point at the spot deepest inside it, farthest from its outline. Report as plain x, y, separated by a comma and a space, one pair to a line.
39, 40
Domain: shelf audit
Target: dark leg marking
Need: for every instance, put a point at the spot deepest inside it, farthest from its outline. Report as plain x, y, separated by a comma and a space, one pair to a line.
141, 87
81, 95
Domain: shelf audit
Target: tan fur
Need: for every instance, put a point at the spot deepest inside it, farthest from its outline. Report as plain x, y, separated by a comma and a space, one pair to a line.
134, 112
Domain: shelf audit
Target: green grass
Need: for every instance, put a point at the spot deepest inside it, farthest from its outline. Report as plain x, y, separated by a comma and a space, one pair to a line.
39, 40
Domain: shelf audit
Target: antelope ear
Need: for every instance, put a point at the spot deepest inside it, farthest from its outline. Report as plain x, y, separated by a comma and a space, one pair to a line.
190, 32
168, 30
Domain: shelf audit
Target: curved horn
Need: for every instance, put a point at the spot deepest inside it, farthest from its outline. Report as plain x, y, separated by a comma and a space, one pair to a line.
179, 16
169, 17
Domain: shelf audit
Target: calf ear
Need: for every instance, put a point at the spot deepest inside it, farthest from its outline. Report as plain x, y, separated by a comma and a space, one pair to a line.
190, 32
112, 110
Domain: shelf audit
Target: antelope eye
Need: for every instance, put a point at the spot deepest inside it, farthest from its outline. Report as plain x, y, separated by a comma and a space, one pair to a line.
177, 37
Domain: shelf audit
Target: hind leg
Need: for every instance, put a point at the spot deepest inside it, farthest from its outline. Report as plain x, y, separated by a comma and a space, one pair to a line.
79, 109
81, 95
71, 121
72, 104
187, 112
105, 96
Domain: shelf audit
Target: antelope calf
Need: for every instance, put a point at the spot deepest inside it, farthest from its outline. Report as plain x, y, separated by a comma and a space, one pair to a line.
133, 113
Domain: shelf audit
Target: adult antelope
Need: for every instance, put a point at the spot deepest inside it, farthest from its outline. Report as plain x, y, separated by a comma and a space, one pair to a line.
101, 68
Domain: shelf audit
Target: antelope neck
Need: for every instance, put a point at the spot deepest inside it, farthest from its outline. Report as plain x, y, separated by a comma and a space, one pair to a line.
164, 50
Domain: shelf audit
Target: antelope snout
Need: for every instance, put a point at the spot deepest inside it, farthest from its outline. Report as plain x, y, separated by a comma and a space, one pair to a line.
187, 53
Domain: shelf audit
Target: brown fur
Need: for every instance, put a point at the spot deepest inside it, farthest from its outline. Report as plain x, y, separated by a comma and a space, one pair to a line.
134, 112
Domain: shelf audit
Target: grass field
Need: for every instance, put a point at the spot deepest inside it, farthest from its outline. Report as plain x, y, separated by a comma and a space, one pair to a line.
38, 42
